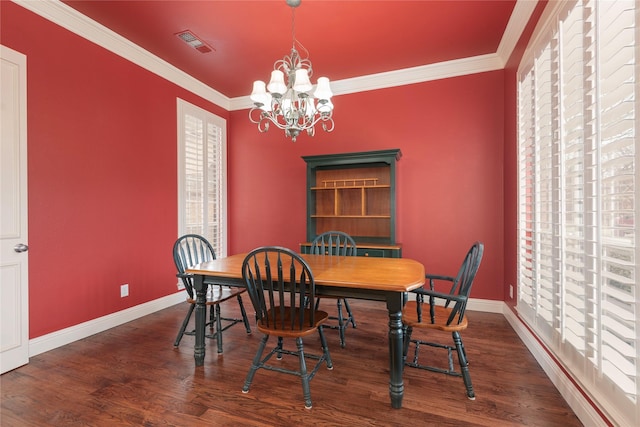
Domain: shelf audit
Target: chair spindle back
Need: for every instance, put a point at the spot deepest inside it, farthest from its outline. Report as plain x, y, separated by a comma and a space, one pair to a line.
461, 286
190, 250
334, 243
277, 278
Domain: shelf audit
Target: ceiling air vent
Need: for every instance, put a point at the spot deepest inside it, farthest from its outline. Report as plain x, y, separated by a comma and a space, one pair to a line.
192, 40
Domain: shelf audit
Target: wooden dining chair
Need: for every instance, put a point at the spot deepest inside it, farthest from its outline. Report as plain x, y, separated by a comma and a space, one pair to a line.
282, 290
442, 310
192, 249
336, 243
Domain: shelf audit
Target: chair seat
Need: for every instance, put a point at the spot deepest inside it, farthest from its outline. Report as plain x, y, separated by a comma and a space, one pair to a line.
218, 294
282, 326
410, 318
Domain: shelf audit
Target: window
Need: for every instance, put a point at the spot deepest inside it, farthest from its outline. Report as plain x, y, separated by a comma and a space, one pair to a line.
202, 187
579, 197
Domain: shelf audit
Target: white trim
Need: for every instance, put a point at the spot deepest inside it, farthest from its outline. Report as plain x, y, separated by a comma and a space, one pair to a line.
67, 17
583, 409
77, 332
517, 22
183, 107
541, 30
485, 305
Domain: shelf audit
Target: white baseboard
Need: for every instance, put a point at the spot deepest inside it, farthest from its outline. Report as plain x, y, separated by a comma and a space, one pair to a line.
583, 409
73, 333
485, 305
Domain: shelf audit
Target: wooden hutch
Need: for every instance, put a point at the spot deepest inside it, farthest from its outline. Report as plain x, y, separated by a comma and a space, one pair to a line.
354, 193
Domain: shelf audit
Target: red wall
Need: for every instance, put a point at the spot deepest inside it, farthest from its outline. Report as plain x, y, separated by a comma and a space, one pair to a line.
102, 173
450, 189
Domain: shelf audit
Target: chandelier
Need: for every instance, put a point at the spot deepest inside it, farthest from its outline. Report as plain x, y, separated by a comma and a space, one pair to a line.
290, 106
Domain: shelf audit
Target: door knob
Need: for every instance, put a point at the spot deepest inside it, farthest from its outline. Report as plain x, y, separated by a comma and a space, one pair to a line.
21, 247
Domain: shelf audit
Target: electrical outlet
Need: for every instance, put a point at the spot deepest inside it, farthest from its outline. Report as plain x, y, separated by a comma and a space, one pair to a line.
180, 285
511, 291
124, 290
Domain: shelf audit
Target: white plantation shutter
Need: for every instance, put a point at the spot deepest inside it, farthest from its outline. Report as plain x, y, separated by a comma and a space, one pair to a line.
526, 195
579, 201
202, 175
572, 128
617, 93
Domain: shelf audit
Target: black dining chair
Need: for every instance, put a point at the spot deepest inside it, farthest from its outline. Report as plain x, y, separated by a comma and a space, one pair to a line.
336, 243
192, 249
282, 290
443, 310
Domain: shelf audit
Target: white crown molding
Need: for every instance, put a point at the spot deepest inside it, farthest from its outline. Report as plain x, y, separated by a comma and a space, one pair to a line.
517, 22
67, 17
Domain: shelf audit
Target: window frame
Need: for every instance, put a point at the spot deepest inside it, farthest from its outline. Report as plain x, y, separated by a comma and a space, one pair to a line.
184, 109
586, 361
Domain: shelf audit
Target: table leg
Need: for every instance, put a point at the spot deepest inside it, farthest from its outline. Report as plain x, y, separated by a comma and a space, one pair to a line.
201, 318
396, 363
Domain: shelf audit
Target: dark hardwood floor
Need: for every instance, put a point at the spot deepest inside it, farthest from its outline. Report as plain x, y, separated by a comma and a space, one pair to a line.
132, 375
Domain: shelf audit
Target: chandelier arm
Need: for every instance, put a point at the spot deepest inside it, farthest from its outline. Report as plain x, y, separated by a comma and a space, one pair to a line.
324, 124
252, 114
262, 122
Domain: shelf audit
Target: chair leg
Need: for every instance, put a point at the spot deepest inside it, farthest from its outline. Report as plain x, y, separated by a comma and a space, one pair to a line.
278, 348
350, 318
405, 343
255, 364
464, 365
304, 375
185, 322
325, 348
218, 320
244, 315
341, 323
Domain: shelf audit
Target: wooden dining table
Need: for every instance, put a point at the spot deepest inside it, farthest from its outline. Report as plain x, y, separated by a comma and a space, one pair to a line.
378, 279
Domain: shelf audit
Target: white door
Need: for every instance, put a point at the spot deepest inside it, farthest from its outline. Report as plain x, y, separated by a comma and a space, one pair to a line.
14, 291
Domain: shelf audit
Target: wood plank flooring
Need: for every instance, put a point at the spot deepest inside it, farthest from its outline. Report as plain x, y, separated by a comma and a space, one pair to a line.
132, 375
